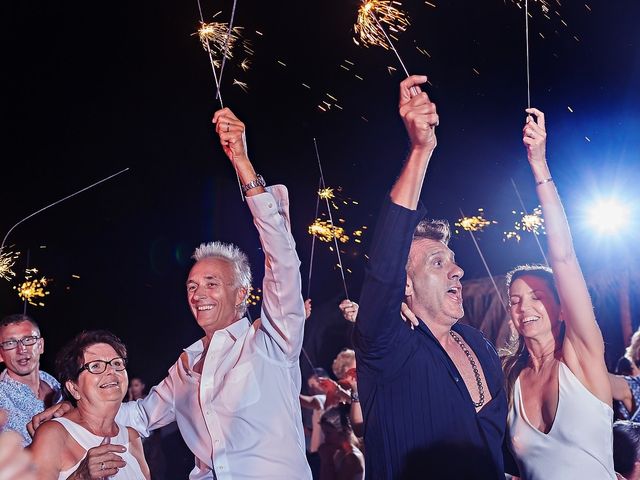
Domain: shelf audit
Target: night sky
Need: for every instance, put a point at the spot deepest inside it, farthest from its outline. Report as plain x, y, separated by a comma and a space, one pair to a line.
95, 87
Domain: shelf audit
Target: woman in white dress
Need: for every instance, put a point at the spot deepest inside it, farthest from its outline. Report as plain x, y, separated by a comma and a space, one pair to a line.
560, 398
88, 443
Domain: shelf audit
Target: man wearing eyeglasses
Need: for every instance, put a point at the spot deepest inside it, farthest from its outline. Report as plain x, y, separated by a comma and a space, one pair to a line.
25, 390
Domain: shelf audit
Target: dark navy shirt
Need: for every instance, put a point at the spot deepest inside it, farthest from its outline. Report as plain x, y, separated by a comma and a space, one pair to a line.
420, 421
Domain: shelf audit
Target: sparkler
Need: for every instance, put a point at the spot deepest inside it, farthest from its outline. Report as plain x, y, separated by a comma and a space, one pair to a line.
371, 15
484, 262
7, 260
218, 37
209, 31
531, 221
335, 239
326, 232
59, 201
476, 223
32, 288
254, 296
313, 242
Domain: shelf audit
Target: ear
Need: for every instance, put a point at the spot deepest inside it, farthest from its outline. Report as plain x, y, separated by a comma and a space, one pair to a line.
241, 296
408, 289
41, 340
73, 389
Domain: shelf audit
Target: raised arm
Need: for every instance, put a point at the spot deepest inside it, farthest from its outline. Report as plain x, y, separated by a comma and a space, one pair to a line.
385, 280
583, 348
283, 312
420, 119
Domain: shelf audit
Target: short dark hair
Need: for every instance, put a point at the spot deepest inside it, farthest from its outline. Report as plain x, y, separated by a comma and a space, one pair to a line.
626, 446
623, 367
433, 230
18, 318
71, 358
535, 270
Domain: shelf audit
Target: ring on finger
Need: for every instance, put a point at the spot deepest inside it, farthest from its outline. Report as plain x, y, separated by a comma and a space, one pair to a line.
227, 127
102, 466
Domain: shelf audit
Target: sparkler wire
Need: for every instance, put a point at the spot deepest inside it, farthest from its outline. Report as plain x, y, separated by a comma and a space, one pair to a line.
414, 90
335, 240
486, 266
313, 242
219, 80
225, 50
61, 200
515, 187
526, 33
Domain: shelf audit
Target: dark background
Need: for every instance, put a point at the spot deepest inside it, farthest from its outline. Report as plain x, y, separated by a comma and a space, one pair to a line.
95, 87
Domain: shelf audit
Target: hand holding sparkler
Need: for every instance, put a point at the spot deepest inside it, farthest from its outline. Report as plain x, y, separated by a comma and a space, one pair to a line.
535, 138
232, 138
349, 310
418, 113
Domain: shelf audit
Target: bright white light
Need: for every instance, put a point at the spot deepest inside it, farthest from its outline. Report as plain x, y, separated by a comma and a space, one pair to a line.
609, 216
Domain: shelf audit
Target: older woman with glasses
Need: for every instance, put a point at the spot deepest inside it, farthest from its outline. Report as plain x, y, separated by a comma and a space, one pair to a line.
88, 443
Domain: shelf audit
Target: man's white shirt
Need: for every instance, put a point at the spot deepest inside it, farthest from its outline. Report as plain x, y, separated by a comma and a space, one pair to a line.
241, 417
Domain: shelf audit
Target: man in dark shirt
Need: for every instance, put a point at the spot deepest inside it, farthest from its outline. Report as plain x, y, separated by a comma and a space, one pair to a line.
433, 399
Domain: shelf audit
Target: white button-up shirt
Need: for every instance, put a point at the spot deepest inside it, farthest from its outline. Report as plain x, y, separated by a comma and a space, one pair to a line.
241, 417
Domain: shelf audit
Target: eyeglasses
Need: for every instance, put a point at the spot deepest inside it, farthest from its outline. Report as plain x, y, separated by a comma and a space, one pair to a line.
25, 341
100, 366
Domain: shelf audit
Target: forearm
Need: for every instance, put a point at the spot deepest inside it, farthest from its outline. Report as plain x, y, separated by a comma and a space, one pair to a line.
282, 304
406, 191
246, 173
555, 221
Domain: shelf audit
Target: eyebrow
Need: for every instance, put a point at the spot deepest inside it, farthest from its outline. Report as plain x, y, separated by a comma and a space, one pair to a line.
208, 277
447, 253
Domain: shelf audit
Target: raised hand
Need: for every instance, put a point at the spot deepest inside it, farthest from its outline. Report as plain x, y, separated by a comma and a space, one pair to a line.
232, 134
418, 113
535, 137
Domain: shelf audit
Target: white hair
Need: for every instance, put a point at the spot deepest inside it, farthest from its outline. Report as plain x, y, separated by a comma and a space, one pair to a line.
238, 260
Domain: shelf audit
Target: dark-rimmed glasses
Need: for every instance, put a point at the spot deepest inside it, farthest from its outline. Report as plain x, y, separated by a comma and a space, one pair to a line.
100, 366
25, 341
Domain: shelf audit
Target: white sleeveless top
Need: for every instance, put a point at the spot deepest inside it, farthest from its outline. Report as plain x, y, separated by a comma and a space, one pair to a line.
579, 444
88, 440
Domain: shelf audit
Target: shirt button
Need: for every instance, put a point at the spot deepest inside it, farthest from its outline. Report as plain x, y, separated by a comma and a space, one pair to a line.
216, 441
270, 205
457, 379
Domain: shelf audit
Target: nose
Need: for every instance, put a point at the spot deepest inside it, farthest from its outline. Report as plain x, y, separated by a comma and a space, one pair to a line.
456, 272
21, 347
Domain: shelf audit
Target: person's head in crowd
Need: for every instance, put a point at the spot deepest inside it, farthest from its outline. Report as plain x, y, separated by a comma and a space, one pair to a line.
632, 353
92, 368
626, 449
344, 361
624, 366
218, 285
336, 426
20, 345
534, 309
433, 291
313, 380
136, 388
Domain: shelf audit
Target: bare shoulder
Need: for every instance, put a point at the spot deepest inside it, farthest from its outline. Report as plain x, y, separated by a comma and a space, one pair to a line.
49, 448
50, 431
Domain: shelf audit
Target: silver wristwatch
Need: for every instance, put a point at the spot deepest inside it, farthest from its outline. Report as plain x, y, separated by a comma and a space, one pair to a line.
258, 182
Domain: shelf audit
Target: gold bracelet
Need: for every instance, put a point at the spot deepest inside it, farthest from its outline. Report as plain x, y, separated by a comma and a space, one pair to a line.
546, 180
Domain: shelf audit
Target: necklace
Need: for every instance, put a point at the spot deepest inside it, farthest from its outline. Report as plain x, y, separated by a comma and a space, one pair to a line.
476, 373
